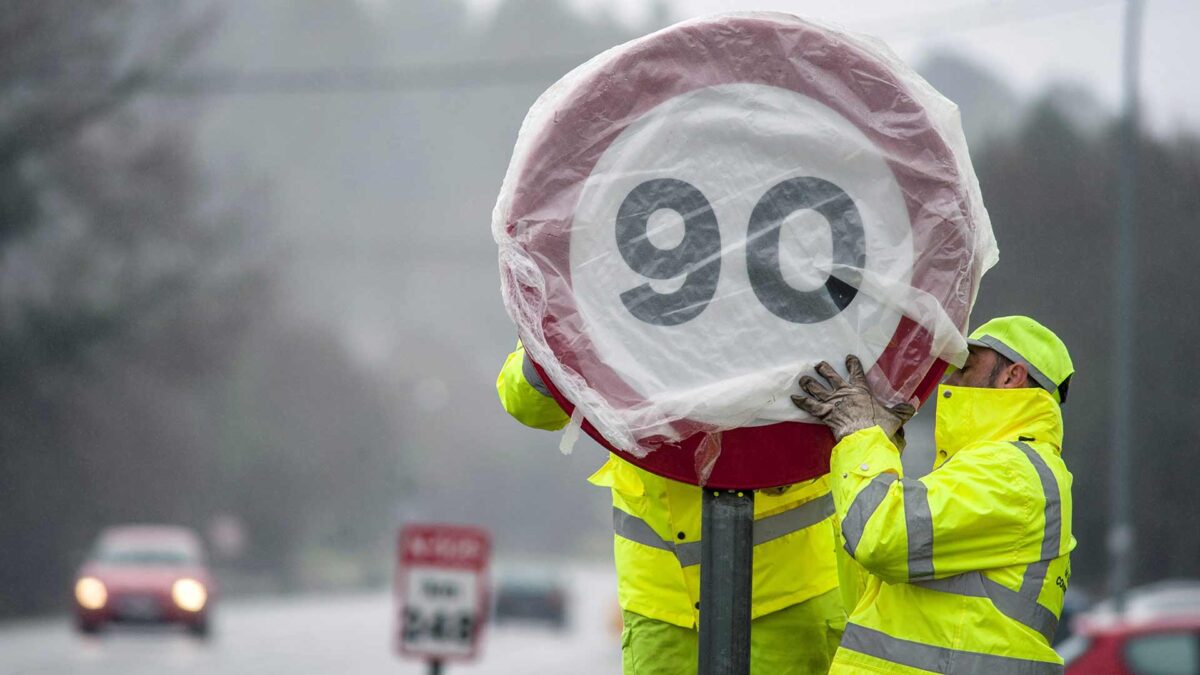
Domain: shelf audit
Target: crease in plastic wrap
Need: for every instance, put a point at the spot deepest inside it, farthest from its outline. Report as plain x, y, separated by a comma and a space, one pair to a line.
693, 218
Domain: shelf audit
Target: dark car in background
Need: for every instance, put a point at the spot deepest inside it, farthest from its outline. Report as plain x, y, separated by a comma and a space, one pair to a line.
1157, 633
532, 597
144, 574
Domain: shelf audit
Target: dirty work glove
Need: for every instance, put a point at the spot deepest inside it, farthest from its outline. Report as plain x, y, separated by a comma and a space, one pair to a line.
849, 406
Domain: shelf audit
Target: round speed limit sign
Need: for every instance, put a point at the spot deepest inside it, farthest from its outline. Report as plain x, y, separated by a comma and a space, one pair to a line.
691, 219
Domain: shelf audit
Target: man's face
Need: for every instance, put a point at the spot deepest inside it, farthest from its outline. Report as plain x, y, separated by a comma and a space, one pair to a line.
980, 371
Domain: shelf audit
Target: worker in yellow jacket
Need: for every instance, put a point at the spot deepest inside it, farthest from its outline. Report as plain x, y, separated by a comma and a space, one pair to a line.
968, 565
797, 614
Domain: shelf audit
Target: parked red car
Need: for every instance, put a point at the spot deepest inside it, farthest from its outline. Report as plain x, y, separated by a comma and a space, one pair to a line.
1157, 634
146, 574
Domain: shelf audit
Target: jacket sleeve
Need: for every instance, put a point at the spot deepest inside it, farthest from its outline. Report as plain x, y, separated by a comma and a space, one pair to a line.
527, 401
979, 510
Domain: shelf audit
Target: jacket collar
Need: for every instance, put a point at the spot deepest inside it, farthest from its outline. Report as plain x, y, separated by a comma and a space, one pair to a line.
967, 415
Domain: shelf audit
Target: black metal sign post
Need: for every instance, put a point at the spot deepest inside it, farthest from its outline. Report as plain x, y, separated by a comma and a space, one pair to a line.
726, 570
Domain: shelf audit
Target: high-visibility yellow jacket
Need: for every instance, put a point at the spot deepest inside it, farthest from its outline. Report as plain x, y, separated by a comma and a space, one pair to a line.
967, 565
657, 525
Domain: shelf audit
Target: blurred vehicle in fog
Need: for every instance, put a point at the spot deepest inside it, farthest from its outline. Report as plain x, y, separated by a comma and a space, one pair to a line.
1158, 633
144, 574
536, 596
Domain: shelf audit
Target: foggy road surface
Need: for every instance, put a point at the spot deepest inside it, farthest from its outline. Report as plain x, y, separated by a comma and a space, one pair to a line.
345, 634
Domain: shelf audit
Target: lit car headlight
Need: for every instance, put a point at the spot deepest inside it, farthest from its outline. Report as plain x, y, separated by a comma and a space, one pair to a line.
189, 595
90, 593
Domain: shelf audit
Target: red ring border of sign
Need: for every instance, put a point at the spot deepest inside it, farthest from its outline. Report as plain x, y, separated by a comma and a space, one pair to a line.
801, 450
764, 50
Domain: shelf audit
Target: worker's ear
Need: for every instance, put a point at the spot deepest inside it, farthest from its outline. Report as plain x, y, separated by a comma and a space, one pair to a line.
1015, 376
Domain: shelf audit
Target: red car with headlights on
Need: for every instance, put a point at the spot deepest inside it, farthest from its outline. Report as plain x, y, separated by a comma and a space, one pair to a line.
144, 574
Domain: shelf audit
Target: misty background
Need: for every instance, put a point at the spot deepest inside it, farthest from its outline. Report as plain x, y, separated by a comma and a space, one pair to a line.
247, 284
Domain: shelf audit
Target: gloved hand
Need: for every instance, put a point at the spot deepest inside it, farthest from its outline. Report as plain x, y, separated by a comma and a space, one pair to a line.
850, 406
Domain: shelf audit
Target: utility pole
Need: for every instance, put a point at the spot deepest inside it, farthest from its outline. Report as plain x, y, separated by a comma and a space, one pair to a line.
1121, 531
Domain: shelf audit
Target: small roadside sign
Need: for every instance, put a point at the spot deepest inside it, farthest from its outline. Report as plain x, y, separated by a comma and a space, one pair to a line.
441, 590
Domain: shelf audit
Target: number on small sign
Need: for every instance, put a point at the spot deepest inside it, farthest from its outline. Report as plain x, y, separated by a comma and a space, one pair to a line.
440, 627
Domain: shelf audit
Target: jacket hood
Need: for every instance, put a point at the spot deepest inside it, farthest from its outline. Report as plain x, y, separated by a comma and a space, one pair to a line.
967, 415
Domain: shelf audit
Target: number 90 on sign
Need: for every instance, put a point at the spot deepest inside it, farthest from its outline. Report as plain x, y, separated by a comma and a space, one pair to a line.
698, 256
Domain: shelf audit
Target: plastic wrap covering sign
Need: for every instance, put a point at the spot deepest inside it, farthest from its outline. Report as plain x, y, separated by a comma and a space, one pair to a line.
695, 217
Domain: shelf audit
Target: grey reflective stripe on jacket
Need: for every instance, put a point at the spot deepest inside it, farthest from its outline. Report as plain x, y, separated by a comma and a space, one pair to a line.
1015, 605
635, 529
938, 659
918, 521
1035, 574
1021, 605
772, 527
532, 377
862, 508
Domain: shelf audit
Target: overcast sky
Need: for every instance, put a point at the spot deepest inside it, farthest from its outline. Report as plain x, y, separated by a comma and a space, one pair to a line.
1027, 42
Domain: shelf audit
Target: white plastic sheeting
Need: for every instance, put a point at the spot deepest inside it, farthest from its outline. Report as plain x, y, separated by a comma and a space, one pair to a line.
693, 218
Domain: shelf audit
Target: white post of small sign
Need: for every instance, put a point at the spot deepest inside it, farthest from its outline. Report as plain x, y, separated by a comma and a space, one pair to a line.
442, 592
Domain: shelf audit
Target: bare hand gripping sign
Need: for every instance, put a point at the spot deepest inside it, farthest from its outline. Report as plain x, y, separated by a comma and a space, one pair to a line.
692, 218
